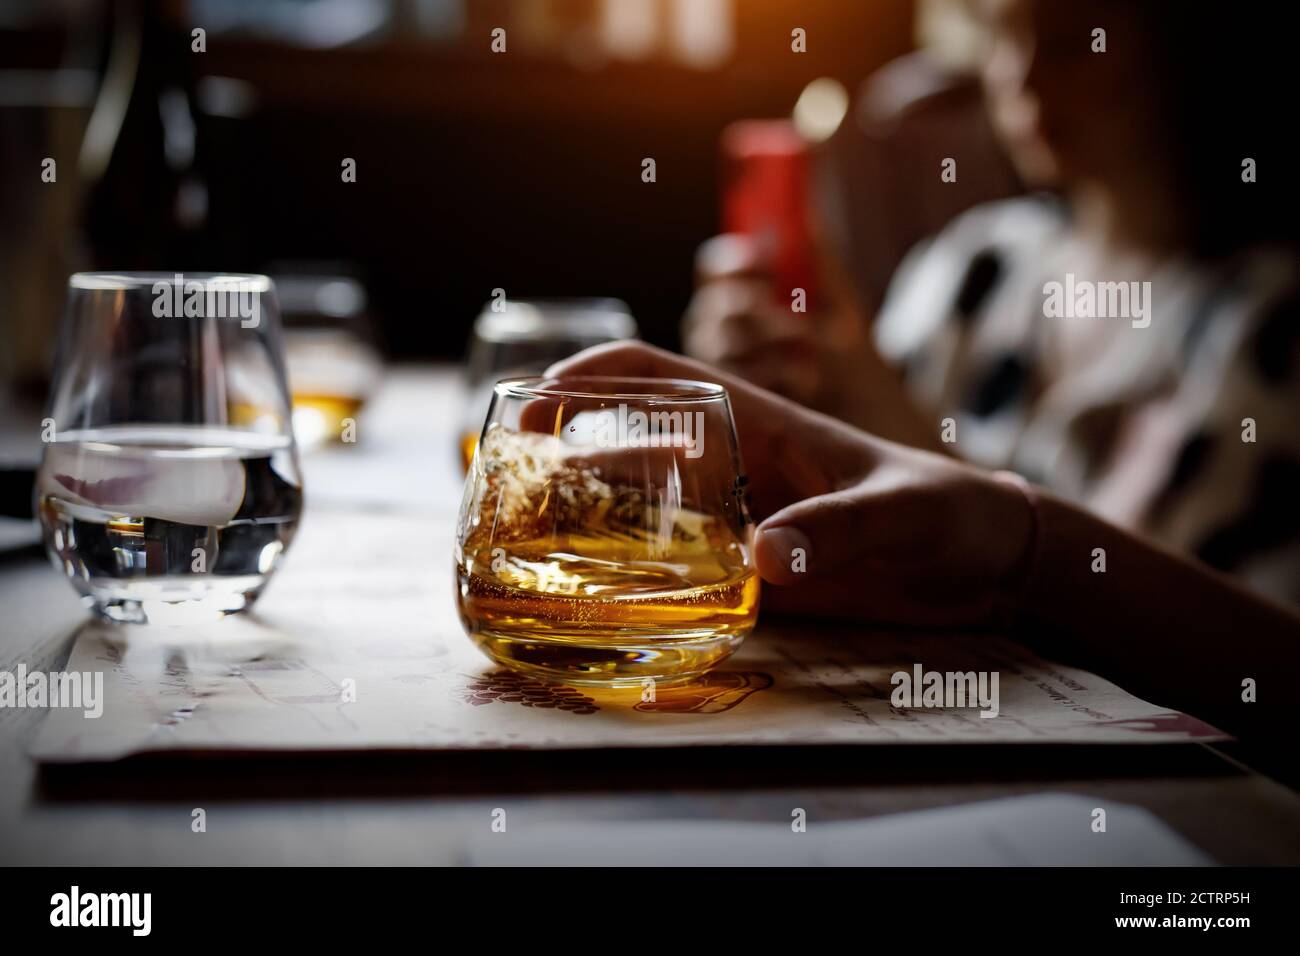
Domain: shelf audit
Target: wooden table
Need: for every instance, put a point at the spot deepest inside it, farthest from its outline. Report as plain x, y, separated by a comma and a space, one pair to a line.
415, 810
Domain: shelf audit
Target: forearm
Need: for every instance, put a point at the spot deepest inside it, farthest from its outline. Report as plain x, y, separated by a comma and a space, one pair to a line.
1164, 627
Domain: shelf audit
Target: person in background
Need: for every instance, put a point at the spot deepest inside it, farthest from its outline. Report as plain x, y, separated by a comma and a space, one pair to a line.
1167, 402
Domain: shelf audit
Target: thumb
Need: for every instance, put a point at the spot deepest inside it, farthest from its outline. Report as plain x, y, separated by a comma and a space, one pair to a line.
892, 518
959, 523
818, 536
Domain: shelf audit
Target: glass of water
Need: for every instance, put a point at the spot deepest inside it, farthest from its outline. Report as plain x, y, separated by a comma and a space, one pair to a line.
169, 488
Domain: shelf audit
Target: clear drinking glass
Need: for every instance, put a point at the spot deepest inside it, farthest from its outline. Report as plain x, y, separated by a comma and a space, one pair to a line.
603, 536
169, 486
515, 337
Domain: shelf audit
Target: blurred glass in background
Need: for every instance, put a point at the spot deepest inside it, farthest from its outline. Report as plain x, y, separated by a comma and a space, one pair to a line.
514, 338
330, 353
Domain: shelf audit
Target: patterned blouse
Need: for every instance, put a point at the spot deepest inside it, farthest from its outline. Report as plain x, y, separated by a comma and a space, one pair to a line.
1165, 399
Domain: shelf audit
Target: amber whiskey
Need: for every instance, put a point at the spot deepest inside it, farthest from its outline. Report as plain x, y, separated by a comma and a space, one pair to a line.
587, 581
328, 414
468, 443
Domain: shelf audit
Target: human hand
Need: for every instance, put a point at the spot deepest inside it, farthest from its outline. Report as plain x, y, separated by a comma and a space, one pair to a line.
851, 525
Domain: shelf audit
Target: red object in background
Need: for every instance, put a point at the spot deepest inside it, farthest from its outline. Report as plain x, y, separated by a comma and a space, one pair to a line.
765, 196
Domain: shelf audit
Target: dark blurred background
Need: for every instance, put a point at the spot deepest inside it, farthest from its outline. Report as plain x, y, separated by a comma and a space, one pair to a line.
475, 170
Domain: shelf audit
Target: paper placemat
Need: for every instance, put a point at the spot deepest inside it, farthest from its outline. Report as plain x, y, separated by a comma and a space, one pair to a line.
357, 647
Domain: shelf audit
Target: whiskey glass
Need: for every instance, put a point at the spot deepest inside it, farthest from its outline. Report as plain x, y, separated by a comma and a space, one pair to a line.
603, 535
169, 487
